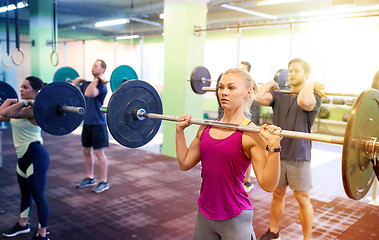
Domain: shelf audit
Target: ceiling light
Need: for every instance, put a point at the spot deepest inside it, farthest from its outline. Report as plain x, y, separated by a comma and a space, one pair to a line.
11, 7
127, 37
238, 9
135, 19
162, 16
271, 2
112, 22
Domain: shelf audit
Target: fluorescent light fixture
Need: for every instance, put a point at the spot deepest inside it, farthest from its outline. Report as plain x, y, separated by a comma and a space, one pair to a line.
238, 9
145, 21
127, 37
271, 2
336, 11
112, 22
11, 7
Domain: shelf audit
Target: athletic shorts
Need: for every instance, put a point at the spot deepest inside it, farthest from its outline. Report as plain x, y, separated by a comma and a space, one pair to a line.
237, 228
296, 175
95, 136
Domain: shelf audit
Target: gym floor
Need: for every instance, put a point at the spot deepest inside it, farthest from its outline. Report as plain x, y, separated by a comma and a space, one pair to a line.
150, 198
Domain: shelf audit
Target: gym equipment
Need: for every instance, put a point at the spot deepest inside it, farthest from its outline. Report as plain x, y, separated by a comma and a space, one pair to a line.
281, 78
200, 78
135, 109
120, 75
59, 108
6, 91
65, 74
203, 82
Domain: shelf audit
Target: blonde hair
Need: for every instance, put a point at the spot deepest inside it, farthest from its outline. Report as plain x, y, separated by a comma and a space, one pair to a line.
250, 83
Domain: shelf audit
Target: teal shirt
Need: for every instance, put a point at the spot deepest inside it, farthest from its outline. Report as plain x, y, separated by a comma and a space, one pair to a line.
24, 133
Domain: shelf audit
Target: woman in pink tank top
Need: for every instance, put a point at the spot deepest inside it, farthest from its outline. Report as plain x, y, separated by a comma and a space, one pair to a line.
225, 211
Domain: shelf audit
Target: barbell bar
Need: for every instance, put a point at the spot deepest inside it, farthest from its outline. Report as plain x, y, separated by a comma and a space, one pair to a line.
212, 89
198, 80
119, 75
134, 115
58, 108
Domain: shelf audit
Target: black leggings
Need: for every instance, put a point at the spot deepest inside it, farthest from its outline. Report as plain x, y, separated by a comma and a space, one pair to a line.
31, 175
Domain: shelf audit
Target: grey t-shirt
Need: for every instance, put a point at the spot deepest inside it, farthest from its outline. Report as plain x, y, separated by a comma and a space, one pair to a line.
289, 116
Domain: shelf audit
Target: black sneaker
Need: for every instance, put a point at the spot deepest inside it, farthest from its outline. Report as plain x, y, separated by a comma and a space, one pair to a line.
86, 183
270, 236
39, 237
101, 187
16, 230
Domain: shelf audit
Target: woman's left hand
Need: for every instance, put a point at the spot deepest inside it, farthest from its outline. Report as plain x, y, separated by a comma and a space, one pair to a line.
267, 131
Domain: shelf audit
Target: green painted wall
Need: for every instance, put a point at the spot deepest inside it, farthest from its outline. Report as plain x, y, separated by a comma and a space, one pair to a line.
183, 52
41, 22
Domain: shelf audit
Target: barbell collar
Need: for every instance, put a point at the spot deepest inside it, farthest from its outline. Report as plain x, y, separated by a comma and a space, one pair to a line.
208, 89
77, 110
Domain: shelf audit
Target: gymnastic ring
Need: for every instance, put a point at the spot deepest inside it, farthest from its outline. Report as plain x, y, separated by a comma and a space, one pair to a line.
51, 58
3, 60
13, 53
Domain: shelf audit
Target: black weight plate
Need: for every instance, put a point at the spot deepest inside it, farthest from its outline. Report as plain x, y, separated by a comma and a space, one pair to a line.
281, 78
197, 79
124, 127
6, 91
122, 74
46, 106
65, 74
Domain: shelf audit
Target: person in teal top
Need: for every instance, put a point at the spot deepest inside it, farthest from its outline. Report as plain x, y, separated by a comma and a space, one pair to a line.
33, 159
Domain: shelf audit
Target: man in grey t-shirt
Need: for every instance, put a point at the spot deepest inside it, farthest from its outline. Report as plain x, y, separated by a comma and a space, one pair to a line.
294, 112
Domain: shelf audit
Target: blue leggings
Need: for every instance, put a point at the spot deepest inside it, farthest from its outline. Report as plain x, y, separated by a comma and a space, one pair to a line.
31, 176
238, 228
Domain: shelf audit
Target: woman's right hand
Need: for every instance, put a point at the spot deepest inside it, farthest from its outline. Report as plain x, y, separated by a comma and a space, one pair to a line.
184, 122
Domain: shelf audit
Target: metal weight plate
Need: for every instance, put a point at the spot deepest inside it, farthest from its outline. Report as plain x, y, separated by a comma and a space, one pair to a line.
122, 74
6, 91
375, 81
281, 78
363, 122
124, 127
46, 106
198, 79
65, 74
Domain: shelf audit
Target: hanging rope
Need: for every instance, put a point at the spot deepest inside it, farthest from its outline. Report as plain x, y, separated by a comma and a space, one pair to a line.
54, 38
17, 37
6, 54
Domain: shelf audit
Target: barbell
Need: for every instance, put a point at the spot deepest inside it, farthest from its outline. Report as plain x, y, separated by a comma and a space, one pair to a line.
119, 75
134, 115
58, 108
200, 82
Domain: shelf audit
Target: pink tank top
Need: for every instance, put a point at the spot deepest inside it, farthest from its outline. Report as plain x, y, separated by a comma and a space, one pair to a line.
224, 165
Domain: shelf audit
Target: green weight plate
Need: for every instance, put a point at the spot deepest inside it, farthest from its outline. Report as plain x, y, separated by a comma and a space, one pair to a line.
65, 74
122, 74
